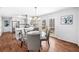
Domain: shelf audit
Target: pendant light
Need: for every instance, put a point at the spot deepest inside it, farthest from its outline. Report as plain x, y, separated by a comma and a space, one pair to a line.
35, 17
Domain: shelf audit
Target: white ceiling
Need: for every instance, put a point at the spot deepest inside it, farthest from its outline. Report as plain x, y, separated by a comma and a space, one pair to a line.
15, 11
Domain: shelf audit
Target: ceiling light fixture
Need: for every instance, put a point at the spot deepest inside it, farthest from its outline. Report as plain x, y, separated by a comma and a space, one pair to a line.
35, 17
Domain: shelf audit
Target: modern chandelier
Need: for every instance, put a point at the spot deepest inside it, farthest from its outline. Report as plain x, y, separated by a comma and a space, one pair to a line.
35, 17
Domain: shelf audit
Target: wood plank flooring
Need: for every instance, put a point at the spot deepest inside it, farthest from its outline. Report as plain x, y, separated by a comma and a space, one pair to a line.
58, 45
8, 43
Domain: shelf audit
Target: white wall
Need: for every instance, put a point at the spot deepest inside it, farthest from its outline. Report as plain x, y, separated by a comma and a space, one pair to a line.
0, 26
78, 26
65, 32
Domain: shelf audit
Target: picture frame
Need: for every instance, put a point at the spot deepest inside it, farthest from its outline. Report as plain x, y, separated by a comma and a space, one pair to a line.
6, 23
67, 20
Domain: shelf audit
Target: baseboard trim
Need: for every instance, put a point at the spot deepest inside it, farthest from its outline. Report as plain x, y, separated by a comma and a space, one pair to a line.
65, 41
78, 44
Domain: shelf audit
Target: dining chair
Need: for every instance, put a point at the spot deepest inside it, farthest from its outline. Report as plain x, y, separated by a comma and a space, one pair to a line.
33, 41
20, 38
46, 39
48, 35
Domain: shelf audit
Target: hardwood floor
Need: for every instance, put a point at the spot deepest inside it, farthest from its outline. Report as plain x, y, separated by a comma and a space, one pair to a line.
58, 45
8, 43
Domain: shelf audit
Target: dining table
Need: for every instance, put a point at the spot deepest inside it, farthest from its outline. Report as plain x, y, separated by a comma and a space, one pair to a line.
42, 34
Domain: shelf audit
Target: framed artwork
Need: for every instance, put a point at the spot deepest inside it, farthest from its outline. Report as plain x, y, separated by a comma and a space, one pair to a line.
6, 23
68, 19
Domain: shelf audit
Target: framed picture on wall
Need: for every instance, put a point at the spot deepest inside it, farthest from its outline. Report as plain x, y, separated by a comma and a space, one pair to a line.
68, 19
6, 23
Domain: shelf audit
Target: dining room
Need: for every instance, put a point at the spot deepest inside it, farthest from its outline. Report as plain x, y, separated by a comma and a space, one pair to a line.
39, 29
17, 28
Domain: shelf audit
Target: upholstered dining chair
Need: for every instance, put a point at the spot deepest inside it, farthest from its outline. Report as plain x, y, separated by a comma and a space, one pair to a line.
33, 41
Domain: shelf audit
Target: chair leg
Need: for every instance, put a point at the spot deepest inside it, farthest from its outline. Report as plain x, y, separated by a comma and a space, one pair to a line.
48, 45
39, 50
27, 51
21, 44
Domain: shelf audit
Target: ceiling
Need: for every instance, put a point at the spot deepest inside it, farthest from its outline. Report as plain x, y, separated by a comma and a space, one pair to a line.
16, 11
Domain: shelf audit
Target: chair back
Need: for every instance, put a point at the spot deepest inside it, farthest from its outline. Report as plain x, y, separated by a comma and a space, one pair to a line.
18, 34
33, 42
48, 34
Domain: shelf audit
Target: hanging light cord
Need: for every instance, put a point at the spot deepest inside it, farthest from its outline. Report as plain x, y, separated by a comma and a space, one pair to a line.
35, 11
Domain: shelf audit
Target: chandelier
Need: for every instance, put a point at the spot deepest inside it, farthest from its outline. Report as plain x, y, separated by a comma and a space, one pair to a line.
35, 17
